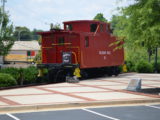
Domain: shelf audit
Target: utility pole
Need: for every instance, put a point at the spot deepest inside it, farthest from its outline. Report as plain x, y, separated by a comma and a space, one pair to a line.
3, 12
3, 5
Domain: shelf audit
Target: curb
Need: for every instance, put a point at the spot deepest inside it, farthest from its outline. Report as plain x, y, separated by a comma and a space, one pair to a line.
16, 109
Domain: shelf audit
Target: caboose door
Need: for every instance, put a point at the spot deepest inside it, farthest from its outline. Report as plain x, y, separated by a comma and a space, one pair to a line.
60, 47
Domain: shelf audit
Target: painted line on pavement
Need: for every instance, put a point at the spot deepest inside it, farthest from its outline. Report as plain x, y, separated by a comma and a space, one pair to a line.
8, 101
102, 115
153, 106
66, 94
12, 116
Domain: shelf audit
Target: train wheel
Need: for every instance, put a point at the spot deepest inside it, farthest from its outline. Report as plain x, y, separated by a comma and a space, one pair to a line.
109, 71
52, 76
84, 74
60, 76
116, 71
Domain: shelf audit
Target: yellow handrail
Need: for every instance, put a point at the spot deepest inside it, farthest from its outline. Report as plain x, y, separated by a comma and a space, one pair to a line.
76, 60
62, 44
77, 47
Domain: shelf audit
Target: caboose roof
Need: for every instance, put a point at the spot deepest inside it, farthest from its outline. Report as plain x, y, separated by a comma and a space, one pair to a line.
56, 31
83, 21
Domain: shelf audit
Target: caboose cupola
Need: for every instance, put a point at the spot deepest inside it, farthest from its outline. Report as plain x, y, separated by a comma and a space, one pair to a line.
86, 26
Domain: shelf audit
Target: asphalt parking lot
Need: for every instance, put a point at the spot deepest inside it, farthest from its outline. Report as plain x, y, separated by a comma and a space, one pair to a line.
143, 112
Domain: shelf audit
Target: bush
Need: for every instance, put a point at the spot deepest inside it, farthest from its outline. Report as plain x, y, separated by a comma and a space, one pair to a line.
144, 67
30, 75
22, 75
12, 71
120, 68
158, 66
130, 66
7, 80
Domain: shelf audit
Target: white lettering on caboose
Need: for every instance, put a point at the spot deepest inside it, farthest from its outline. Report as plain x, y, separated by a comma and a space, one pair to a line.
104, 52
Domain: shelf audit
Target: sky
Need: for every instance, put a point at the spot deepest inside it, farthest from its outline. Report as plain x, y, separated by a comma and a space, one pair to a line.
39, 14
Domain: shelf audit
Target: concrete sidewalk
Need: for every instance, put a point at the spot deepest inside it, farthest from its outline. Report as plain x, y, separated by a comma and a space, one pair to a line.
100, 91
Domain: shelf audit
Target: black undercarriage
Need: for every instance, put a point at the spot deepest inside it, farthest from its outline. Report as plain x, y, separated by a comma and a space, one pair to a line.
59, 72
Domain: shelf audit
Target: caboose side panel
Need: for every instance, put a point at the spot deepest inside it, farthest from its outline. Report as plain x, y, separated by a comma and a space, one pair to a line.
98, 52
87, 54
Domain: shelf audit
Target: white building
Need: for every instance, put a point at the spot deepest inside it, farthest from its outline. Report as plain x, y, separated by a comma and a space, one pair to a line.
23, 51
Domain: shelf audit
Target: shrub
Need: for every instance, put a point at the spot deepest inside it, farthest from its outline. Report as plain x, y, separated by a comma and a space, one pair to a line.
12, 71
43, 78
120, 68
7, 80
158, 66
144, 67
22, 75
130, 66
30, 75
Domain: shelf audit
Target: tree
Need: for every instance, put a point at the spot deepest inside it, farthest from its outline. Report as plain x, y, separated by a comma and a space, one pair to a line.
100, 17
22, 34
35, 35
118, 24
142, 25
25, 34
6, 33
55, 26
139, 24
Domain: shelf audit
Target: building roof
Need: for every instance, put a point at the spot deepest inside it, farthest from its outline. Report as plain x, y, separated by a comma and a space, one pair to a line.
26, 45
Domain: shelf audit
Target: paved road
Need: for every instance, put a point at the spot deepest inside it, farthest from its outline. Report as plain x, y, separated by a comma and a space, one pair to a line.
149, 112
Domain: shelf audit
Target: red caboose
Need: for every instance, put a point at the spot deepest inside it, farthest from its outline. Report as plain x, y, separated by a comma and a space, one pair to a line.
83, 48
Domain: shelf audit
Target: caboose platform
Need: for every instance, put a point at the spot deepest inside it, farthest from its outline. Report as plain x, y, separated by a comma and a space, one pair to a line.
102, 91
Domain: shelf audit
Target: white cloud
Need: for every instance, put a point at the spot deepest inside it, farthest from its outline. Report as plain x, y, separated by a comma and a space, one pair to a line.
35, 13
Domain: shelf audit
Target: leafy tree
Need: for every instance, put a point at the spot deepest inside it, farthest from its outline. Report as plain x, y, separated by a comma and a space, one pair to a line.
22, 33
100, 17
55, 26
35, 35
138, 24
6, 33
141, 24
118, 25
25, 34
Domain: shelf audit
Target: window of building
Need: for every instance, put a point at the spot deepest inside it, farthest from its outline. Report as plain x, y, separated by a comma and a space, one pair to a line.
93, 27
69, 27
30, 53
61, 40
86, 41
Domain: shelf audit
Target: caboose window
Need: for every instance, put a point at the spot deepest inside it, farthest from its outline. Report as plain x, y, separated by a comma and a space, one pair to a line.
101, 28
69, 27
86, 41
107, 29
61, 40
93, 27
